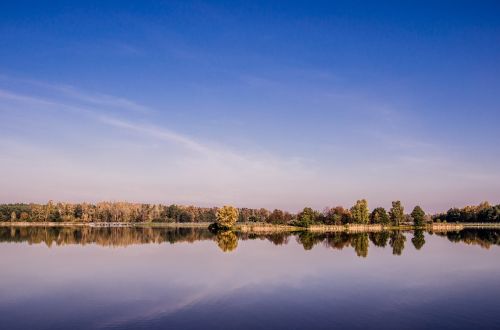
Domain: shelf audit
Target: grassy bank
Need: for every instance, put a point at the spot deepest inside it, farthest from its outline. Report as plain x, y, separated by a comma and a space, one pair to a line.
357, 228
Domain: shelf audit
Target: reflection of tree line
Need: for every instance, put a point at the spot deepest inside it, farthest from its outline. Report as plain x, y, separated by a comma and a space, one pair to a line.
483, 238
105, 236
228, 241
358, 241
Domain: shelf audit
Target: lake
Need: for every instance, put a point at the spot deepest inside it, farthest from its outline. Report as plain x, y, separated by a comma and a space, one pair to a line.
188, 278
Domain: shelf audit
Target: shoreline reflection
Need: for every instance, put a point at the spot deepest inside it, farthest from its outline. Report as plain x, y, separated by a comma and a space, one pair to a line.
227, 241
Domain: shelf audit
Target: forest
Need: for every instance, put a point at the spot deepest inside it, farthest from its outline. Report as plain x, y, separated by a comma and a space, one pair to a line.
125, 212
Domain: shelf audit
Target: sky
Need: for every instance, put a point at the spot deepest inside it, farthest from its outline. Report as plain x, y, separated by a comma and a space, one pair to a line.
251, 103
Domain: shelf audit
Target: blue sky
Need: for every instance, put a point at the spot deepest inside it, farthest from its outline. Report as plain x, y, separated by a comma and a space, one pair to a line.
258, 104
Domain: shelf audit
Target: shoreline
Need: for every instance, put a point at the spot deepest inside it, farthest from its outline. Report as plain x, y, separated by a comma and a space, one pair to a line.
106, 224
264, 227
357, 228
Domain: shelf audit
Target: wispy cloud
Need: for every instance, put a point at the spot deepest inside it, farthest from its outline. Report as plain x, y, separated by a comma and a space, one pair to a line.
160, 133
8, 95
77, 94
101, 99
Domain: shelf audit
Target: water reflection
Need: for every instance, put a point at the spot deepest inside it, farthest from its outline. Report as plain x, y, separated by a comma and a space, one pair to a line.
227, 241
379, 239
397, 242
418, 239
179, 278
483, 238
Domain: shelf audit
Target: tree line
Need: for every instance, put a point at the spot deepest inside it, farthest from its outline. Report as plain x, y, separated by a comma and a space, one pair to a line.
483, 212
126, 212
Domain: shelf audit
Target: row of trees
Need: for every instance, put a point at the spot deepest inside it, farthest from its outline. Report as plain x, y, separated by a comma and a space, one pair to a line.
359, 213
483, 212
105, 212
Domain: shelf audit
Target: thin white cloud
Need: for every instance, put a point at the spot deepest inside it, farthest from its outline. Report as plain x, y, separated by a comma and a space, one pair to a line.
160, 133
7, 95
38, 101
77, 94
101, 99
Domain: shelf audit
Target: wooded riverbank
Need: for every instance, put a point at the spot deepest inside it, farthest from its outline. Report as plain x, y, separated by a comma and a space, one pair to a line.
265, 227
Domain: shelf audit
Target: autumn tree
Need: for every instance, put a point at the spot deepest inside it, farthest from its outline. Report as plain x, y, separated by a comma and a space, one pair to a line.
397, 213
360, 212
24, 216
186, 216
262, 214
277, 217
337, 215
48, 210
227, 216
245, 214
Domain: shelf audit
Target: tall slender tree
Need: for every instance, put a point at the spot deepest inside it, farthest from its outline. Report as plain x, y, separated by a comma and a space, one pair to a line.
397, 213
360, 212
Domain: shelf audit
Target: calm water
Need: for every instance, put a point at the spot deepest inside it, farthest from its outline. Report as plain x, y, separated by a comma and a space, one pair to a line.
124, 278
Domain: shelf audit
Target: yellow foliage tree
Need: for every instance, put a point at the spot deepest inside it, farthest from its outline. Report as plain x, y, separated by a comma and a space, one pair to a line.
227, 216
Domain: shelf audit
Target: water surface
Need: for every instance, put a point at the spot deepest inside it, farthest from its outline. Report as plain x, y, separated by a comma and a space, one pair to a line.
128, 278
